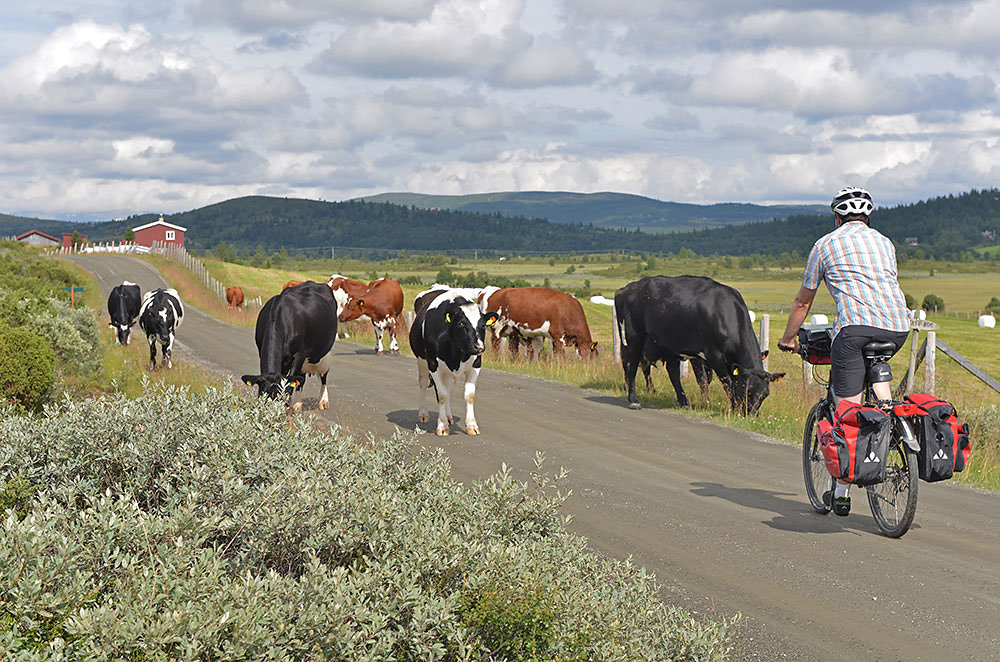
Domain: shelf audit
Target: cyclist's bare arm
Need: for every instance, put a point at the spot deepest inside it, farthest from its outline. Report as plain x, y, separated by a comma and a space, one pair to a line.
800, 310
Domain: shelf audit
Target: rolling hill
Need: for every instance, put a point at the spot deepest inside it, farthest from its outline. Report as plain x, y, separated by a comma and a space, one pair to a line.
607, 210
946, 227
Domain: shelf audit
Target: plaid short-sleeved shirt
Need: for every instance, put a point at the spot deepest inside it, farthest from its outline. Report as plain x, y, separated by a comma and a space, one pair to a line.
858, 265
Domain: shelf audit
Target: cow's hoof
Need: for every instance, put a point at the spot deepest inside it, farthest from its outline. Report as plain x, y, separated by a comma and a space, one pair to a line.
323, 404
443, 432
379, 352
422, 418
472, 430
451, 421
634, 405
395, 352
297, 408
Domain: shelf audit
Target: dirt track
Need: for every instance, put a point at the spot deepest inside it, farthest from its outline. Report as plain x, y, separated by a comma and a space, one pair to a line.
720, 516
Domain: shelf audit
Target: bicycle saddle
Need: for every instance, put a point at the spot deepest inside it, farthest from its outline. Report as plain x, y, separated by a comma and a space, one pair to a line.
877, 349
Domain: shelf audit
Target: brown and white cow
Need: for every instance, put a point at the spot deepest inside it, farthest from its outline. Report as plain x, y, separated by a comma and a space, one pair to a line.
535, 313
344, 288
291, 283
234, 296
382, 303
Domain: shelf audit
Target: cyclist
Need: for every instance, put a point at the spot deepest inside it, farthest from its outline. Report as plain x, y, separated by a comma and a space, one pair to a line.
858, 265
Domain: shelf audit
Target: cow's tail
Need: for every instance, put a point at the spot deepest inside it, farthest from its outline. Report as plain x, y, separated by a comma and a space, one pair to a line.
620, 316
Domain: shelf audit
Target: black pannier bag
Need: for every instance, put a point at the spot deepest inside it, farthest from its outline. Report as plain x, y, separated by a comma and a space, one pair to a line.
944, 442
855, 448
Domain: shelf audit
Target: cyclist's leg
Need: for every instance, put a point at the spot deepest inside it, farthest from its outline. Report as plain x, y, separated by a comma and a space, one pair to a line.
847, 366
847, 381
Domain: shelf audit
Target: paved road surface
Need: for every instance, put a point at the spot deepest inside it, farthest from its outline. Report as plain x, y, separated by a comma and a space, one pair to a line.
719, 515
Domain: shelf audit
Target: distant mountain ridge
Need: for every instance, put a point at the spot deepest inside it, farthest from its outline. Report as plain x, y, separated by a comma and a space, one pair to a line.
949, 227
607, 210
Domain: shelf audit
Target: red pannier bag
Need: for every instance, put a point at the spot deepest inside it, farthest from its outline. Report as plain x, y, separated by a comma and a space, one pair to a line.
944, 442
856, 445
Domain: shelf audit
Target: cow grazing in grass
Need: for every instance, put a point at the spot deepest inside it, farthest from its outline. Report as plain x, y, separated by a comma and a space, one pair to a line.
382, 303
295, 333
123, 308
535, 313
669, 318
447, 338
234, 296
160, 316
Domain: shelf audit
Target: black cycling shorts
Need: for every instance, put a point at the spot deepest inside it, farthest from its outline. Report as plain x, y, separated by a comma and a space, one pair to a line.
847, 372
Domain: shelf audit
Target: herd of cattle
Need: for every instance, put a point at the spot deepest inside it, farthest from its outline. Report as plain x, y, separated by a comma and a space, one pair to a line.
659, 318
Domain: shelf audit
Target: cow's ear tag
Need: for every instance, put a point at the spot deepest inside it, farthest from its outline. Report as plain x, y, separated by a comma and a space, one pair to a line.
491, 321
763, 355
447, 317
736, 371
361, 303
248, 382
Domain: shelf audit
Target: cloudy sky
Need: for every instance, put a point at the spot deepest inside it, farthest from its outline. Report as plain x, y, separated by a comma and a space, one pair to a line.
114, 108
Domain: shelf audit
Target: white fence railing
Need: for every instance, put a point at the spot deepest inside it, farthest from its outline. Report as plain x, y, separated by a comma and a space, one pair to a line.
177, 253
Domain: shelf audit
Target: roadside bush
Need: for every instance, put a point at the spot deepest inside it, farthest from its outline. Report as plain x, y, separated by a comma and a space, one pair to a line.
27, 367
71, 332
910, 301
993, 306
210, 527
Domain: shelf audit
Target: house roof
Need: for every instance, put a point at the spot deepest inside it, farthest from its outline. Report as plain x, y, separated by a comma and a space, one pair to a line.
38, 232
160, 222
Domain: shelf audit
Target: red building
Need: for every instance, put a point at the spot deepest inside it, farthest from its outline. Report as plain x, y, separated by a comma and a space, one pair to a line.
161, 232
67, 241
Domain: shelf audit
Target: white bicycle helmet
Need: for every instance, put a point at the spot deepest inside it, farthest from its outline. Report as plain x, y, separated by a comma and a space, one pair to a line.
852, 200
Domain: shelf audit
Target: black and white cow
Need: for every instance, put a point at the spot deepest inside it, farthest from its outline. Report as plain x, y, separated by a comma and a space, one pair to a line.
123, 308
295, 334
447, 337
160, 316
670, 318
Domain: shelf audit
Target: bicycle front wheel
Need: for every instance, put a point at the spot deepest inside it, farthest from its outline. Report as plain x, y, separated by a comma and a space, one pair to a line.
894, 500
818, 479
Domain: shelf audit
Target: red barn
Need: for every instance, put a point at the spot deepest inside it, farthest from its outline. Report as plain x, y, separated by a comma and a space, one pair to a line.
161, 232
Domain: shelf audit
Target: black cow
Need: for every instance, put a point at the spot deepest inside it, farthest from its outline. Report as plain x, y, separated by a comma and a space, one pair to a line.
447, 337
160, 316
664, 318
123, 308
295, 334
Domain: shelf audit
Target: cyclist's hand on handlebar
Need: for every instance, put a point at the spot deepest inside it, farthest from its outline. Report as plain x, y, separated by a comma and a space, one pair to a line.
793, 347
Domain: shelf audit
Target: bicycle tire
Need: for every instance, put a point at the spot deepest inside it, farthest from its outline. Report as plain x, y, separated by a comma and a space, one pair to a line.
894, 500
817, 478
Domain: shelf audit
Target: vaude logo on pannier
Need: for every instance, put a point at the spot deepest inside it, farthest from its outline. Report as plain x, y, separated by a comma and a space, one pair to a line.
872, 457
940, 456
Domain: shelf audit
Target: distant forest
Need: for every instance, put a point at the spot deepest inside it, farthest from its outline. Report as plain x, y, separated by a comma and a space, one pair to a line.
948, 228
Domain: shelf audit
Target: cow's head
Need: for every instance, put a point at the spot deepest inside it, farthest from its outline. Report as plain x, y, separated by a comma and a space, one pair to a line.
274, 385
587, 351
466, 326
353, 309
748, 387
122, 331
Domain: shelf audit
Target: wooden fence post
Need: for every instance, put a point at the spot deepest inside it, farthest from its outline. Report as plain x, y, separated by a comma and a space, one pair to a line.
911, 373
765, 331
807, 373
929, 362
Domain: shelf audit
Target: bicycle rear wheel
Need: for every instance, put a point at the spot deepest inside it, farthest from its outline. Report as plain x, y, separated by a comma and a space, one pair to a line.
894, 500
817, 478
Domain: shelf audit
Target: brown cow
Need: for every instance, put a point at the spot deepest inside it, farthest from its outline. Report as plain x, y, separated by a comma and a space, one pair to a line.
534, 313
344, 289
382, 302
234, 296
291, 283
